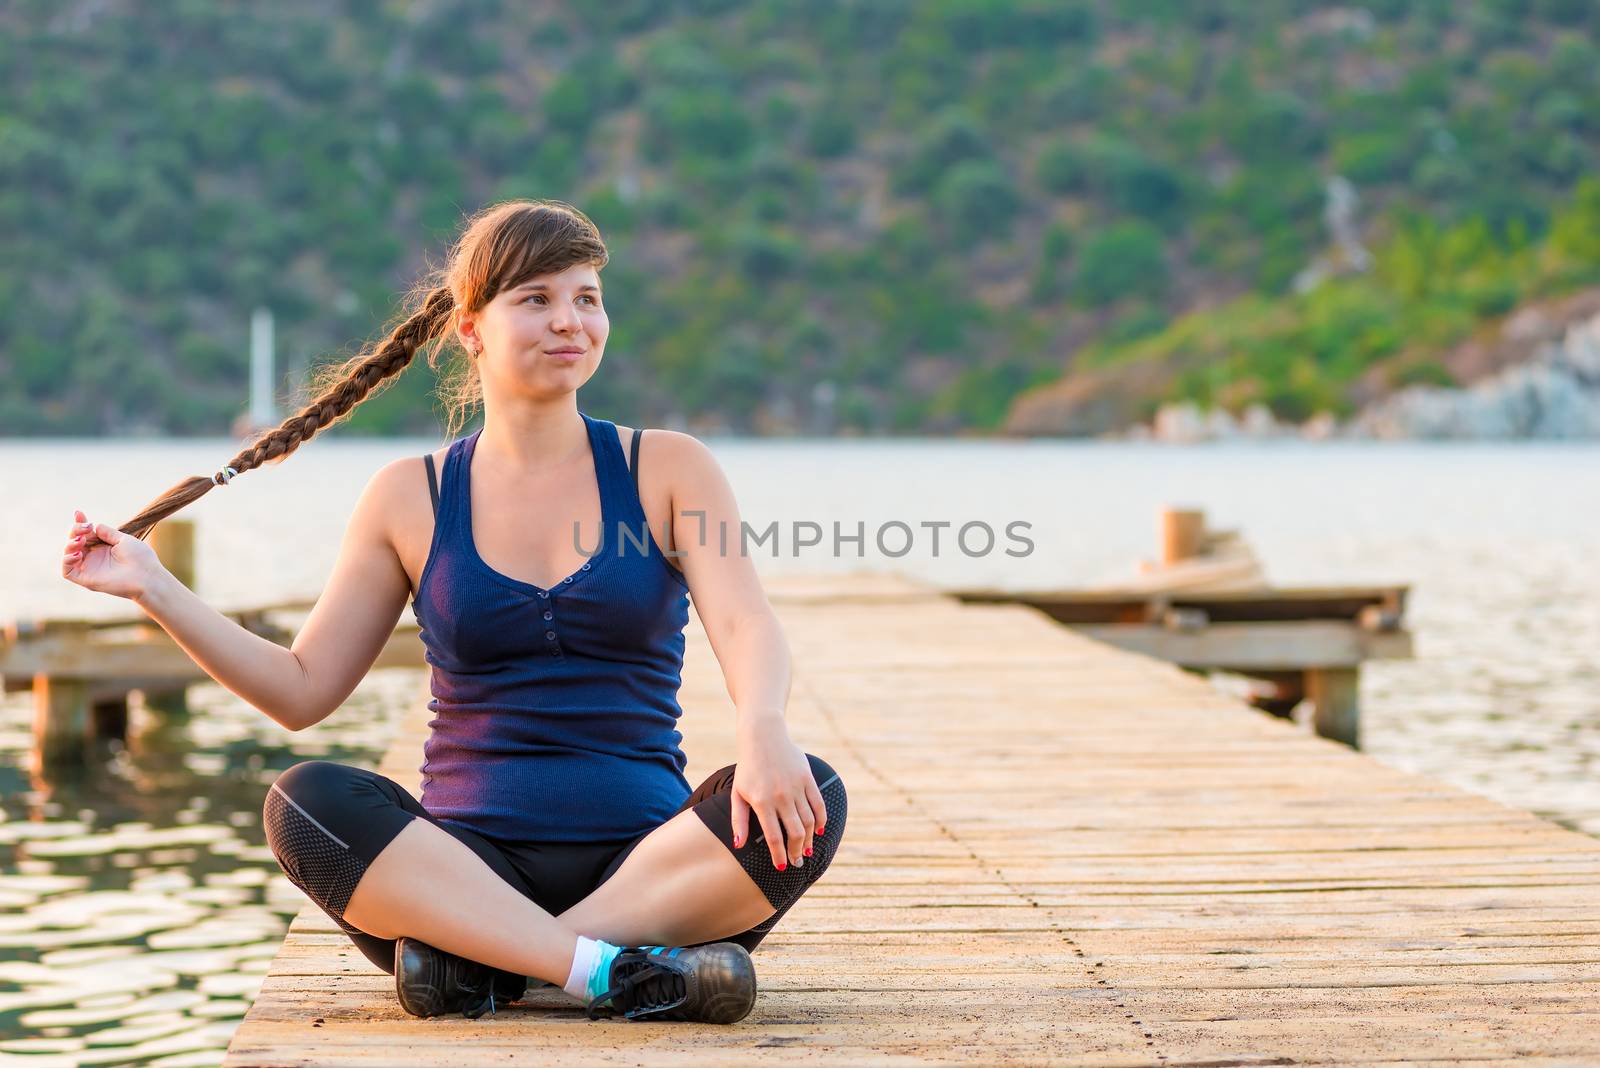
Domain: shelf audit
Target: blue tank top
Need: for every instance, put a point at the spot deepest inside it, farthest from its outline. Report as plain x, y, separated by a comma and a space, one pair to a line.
555, 710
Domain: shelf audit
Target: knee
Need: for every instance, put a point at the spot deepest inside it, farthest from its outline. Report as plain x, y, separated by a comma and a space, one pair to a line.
828, 782
299, 809
835, 801
311, 777
299, 797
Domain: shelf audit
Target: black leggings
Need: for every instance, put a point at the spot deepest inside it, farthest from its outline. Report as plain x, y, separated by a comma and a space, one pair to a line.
327, 822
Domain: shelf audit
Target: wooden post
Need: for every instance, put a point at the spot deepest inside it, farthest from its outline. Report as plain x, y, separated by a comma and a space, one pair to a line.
1182, 533
173, 542
1335, 711
60, 719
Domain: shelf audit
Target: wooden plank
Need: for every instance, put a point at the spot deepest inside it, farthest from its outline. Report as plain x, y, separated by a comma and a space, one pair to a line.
1276, 603
1259, 646
1048, 861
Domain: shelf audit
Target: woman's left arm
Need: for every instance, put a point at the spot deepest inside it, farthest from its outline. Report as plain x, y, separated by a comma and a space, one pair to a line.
772, 778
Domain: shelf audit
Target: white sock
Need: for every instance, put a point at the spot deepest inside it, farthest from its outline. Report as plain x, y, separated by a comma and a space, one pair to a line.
591, 967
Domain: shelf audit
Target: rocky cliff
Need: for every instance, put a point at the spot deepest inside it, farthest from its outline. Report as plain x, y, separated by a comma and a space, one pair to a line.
1553, 393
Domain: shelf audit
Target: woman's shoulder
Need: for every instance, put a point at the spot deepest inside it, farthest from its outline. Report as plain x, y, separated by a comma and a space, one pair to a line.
405, 509
666, 440
405, 474
664, 450
402, 486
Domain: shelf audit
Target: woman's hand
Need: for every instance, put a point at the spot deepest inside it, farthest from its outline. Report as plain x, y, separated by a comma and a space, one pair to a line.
117, 564
773, 779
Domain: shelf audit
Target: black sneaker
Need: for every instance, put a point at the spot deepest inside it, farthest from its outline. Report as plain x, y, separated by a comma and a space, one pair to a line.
431, 982
715, 983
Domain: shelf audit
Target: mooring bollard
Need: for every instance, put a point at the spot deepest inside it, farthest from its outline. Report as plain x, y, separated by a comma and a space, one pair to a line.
1183, 532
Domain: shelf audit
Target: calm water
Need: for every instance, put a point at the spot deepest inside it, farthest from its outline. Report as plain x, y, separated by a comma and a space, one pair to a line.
139, 906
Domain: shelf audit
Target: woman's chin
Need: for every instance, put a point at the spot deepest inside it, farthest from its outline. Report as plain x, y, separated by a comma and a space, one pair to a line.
559, 383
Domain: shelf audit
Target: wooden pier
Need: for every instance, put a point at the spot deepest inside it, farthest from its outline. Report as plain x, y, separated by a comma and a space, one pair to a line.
1205, 604
81, 671
1294, 643
1060, 852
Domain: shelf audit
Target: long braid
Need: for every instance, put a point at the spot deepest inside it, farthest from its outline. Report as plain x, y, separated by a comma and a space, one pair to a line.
362, 375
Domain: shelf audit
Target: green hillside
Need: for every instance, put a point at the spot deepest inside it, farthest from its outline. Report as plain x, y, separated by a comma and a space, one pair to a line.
865, 216
1346, 342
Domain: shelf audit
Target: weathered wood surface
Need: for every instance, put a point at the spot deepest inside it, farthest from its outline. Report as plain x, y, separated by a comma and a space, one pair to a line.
1244, 647
1272, 603
1061, 853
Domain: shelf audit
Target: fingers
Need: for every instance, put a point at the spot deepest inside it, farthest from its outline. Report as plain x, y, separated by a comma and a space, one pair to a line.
819, 807
788, 824
772, 830
788, 834
72, 555
81, 530
741, 820
799, 823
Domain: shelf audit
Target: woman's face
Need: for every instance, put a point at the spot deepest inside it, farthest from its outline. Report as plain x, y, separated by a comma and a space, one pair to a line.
544, 337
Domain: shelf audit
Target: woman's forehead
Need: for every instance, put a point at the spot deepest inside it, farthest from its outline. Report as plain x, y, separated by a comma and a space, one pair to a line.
579, 276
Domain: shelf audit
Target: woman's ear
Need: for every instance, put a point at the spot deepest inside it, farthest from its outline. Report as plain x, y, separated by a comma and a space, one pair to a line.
467, 332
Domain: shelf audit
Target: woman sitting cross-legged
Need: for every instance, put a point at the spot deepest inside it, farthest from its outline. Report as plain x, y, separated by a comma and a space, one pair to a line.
556, 836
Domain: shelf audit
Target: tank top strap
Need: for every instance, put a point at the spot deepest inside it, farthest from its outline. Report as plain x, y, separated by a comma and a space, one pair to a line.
633, 458
453, 484
618, 496
433, 484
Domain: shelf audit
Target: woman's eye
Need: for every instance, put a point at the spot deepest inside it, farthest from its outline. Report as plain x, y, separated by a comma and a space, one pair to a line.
540, 297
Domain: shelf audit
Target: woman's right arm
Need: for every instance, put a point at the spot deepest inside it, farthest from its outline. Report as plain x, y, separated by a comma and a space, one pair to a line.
341, 639
260, 671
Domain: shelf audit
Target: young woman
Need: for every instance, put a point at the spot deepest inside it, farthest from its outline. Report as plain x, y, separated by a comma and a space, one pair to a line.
556, 836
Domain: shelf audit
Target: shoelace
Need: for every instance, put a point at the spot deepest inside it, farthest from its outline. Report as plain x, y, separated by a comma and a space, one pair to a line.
647, 988
474, 1009
480, 996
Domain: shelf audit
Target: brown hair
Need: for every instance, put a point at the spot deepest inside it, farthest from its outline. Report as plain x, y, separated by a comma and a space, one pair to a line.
501, 247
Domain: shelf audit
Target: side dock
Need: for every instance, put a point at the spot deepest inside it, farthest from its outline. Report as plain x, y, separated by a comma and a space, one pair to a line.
1059, 852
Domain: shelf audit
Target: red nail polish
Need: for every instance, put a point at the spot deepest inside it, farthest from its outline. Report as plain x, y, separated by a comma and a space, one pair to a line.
782, 866
736, 842
808, 851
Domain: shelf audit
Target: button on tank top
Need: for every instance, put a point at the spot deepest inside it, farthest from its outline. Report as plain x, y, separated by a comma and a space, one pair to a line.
555, 710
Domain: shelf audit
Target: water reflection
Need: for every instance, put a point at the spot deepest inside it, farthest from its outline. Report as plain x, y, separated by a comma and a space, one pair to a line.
139, 905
